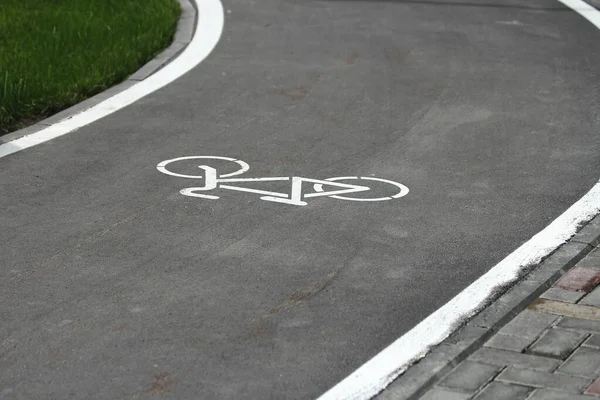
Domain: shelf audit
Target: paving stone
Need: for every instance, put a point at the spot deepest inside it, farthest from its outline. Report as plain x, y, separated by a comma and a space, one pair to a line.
502, 309
436, 364
593, 341
487, 355
528, 324
508, 342
595, 252
579, 279
444, 394
594, 388
563, 259
547, 380
502, 391
557, 343
590, 233
545, 394
590, 261
565, 309
585, 361
580, 324
467, 335
558, 294
592, 298
469, 376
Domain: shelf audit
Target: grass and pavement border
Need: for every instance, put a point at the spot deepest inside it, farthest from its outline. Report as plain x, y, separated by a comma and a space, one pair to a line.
183, 35
470, 337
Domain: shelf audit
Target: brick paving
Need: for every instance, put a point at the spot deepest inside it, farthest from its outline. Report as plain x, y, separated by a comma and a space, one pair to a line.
549, 351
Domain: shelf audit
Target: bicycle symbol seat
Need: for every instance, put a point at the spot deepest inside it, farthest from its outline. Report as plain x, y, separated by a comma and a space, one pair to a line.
296, 196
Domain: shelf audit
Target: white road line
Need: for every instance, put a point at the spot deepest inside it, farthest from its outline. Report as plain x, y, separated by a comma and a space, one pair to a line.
381, 370
208, 31
585, 10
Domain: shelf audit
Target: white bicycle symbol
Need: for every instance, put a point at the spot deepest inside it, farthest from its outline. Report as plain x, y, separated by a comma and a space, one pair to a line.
296, 195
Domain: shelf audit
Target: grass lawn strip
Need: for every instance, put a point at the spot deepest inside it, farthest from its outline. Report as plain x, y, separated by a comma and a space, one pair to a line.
56, 53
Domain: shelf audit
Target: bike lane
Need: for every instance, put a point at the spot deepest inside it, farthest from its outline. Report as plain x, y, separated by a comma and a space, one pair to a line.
485, 112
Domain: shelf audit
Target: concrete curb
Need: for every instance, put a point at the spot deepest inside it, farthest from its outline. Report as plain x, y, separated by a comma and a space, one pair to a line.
183, 36
422, 375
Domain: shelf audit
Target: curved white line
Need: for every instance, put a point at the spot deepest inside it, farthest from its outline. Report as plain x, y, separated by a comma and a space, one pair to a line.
373, 376
585, 10
208, 31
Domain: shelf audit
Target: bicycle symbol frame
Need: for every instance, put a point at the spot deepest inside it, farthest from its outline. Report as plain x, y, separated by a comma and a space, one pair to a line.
296, 195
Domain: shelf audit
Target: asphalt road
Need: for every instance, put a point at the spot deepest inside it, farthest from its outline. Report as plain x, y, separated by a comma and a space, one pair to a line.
114, 285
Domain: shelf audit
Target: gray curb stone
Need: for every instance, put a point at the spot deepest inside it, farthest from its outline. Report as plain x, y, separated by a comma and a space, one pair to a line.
544, 380
183, 36
422, 375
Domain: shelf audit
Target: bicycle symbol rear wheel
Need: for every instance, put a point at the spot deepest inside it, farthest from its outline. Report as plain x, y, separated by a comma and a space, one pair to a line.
162, 167
399, 188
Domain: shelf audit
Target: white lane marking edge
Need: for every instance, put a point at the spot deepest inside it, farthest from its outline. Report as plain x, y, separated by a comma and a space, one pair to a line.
373, 376
209, 27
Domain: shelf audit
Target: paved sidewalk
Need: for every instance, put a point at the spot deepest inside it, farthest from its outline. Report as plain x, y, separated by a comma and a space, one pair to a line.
549, 351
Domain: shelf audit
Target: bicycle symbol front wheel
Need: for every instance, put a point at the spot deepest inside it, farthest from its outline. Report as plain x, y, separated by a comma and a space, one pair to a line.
399, 188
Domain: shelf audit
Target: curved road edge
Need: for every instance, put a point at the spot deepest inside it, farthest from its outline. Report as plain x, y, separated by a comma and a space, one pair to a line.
377, 373
197, 35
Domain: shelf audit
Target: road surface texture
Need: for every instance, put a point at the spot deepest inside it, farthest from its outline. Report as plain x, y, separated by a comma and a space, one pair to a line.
114, 285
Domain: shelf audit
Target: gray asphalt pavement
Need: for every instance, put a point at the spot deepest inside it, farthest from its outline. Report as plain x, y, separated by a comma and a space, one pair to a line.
114, 285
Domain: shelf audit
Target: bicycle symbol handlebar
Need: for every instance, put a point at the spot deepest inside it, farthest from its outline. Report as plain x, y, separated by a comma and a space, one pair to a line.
296, 196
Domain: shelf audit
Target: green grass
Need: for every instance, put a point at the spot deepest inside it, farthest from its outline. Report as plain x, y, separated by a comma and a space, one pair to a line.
55, 53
